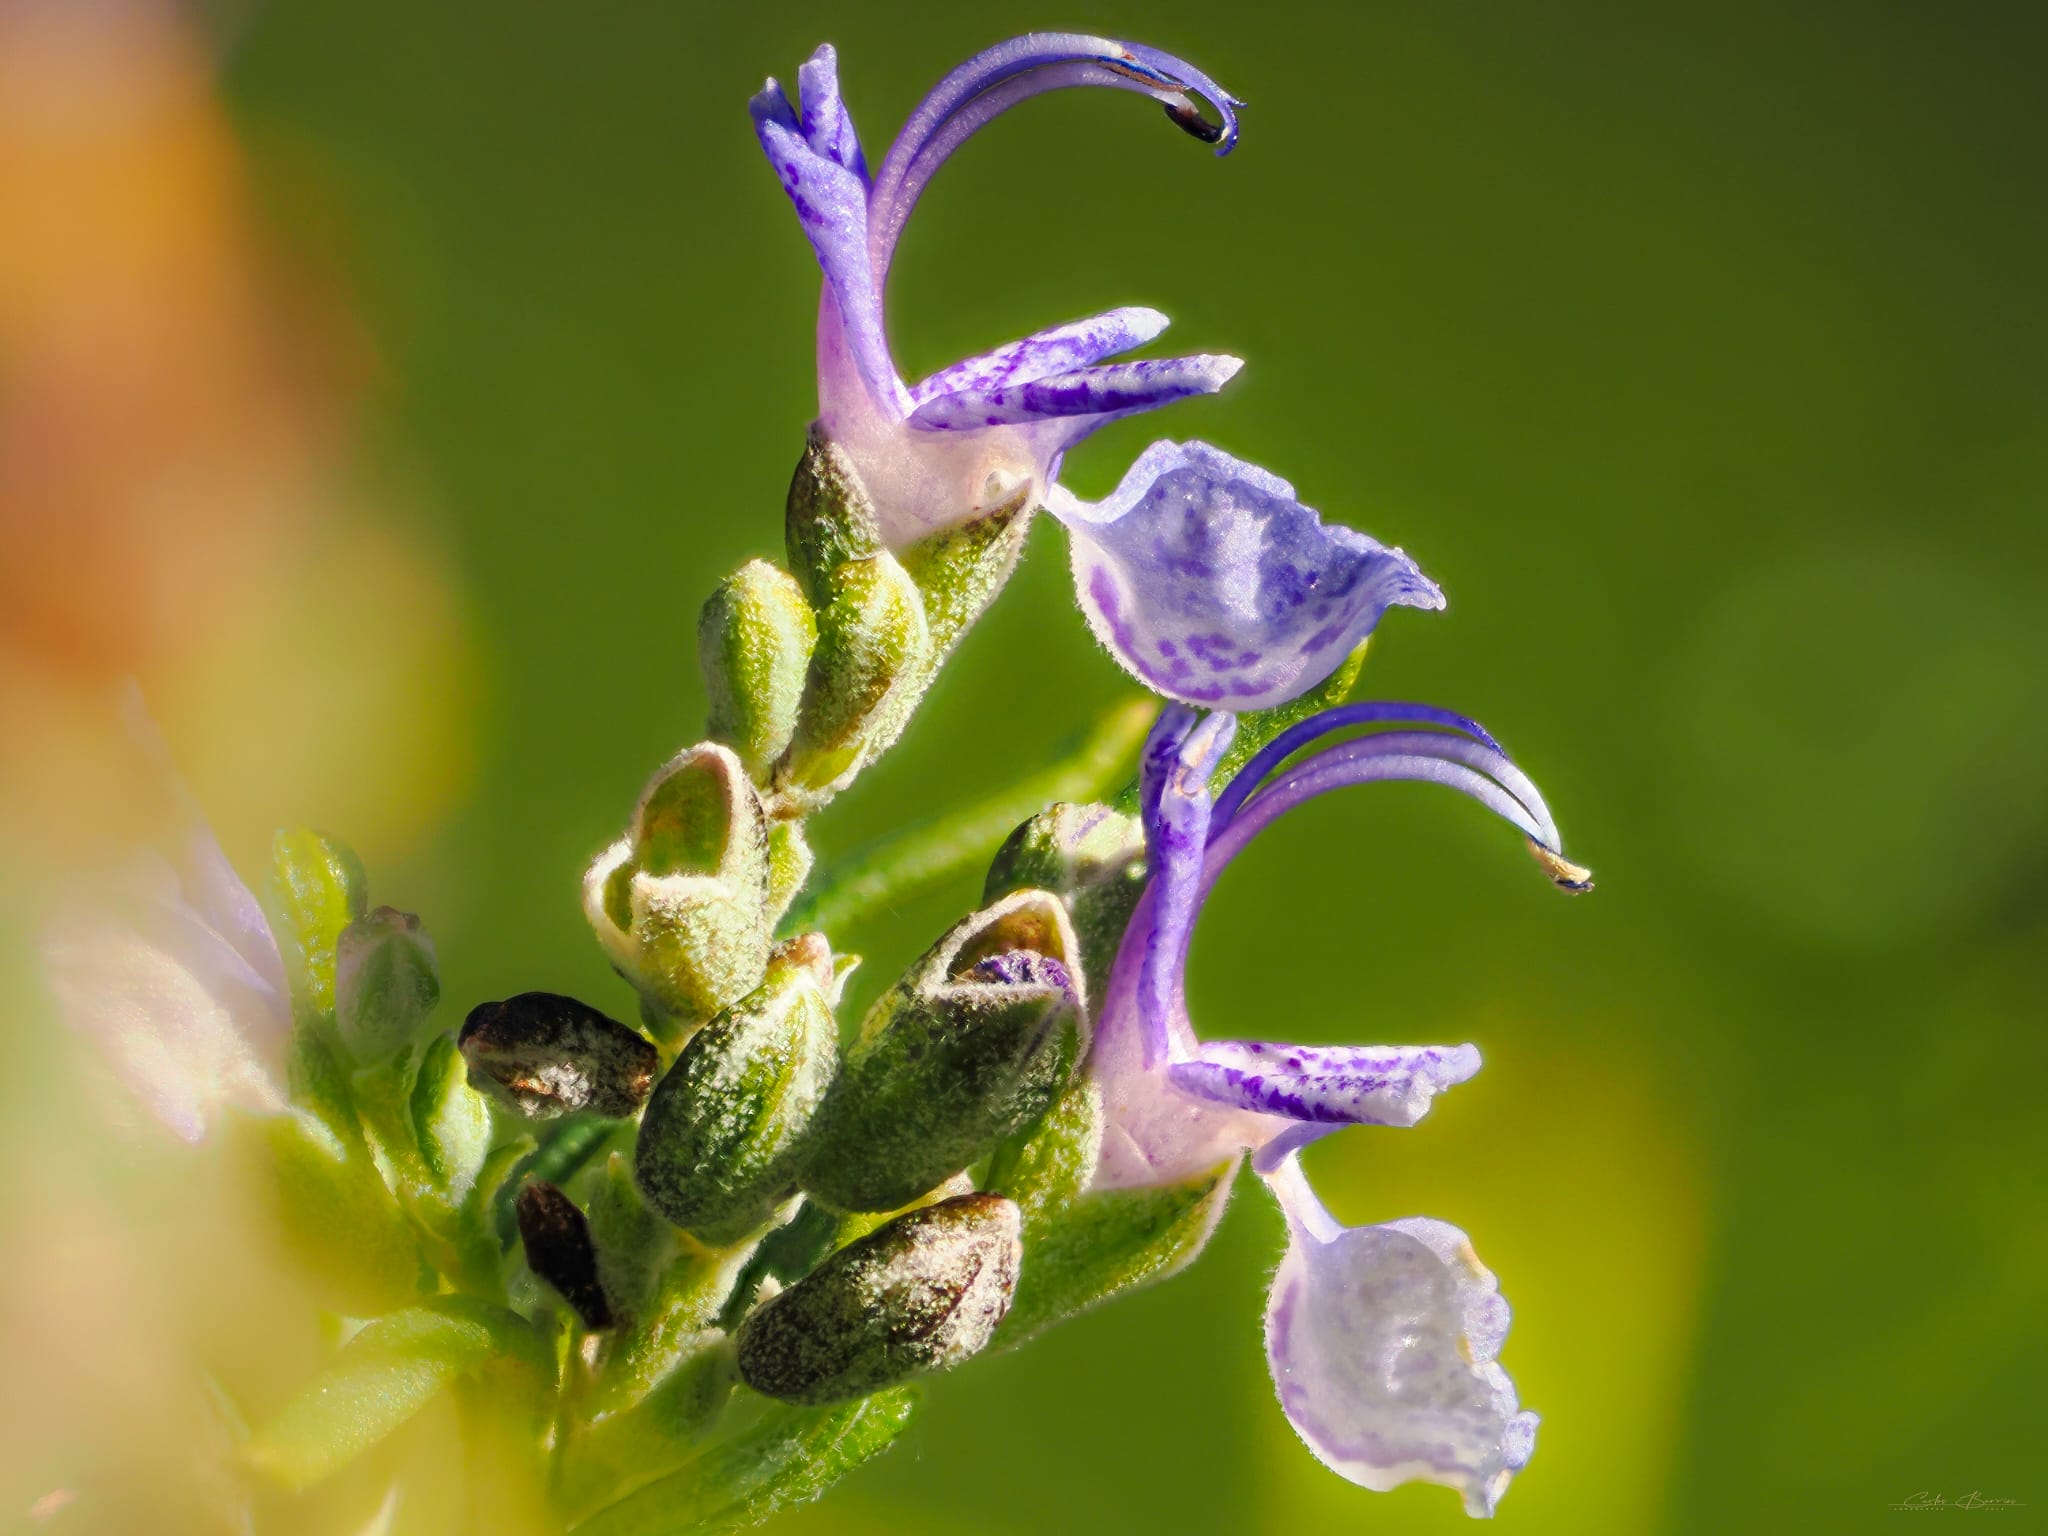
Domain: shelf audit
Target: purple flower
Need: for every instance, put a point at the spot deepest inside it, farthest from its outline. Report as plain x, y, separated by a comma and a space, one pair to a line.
1211, 584
974, 436
1382, 1339
171, 970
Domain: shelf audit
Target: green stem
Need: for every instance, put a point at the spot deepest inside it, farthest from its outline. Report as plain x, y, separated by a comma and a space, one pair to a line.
900, 866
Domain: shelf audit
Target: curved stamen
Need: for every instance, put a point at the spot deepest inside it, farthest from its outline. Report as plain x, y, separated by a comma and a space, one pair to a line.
1161, 928
1524, 802
1165, 953
992, 82
1302, 786
1343, 716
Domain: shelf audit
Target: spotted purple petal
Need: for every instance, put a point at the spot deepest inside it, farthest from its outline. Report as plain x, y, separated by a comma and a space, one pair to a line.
1342, 1085
1060, 349
1173, 792
827, 125
1212, 584
1382, 1343
1082, 400
831, 203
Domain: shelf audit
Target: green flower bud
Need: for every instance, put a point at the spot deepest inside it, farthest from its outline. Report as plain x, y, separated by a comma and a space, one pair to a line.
317, 888
973, 1044
961, 569
829, 518
385, 982
718, 1145
1093, 858
681, 905
546, 1055
789, 866
634, 1245
556, 1237
871, 665
450, 1121
922, 1294
754, 642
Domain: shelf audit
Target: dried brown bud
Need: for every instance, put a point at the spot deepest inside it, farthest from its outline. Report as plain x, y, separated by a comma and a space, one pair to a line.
547, 1055
556, 1237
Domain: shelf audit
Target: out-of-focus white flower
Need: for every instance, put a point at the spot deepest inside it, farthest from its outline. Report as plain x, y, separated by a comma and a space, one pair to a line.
169, 967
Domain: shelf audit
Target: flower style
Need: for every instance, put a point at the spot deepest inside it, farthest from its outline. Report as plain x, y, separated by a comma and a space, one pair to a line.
988, 431
172, 971
1381, 1339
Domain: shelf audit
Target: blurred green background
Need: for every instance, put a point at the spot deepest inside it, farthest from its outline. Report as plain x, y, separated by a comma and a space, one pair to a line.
1700, 354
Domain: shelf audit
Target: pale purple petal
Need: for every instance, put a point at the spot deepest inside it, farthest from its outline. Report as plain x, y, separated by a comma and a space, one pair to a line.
831, 203
1080, 401
1212, 584
1152, 1135
827, 125
187, 1024
1344, 1085
169, 967
1061, 349
203, 876
228, 907
1173, 796
1382, 1344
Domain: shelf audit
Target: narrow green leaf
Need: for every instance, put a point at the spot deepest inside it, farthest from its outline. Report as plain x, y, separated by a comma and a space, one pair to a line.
450, 1120
605, 1456
383, 1376
569, 1143
899, 867
316, 889
334, 1210
687, 1302
1081, 1249
788, 1456
1109, 1242
319, 1084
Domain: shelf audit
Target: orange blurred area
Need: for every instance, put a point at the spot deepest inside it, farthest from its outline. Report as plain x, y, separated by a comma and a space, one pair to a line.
175, 491
180, 504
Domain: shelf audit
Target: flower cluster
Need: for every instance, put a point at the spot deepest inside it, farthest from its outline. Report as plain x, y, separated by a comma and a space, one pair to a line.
732, 1201
1203, 575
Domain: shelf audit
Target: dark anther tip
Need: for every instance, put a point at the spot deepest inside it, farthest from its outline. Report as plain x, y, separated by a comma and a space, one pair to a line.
1188, 118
